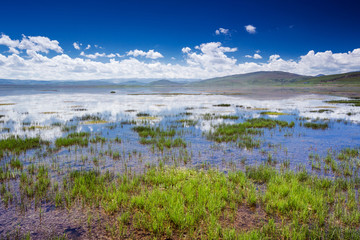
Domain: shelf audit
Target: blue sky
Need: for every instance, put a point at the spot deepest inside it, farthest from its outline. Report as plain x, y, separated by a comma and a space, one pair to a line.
148, 39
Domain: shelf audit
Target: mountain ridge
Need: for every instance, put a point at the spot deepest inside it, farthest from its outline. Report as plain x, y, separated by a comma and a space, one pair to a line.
254, 79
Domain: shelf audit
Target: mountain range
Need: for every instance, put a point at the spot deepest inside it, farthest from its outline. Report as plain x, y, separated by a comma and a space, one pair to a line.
255, 79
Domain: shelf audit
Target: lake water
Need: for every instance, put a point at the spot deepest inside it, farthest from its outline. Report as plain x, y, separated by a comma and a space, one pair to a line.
50, 114
49, 111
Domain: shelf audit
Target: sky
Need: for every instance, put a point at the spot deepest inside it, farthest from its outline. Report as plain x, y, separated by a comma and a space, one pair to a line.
85, 40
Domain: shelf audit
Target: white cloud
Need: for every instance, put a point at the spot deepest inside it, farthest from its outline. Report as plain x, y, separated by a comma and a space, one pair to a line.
76, 46
7, 41
255, 56
274, 58
149, 54
204, 61
250, 29
211, 57
186, 50
96, 55
222, 31
88, 47
13, 50
39, 44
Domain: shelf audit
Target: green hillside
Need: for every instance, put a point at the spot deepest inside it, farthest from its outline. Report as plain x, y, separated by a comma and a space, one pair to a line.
252, 79
352, 78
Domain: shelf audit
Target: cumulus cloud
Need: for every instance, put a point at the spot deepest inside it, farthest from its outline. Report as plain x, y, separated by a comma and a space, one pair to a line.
250, 29
255, 56
76, 46
211, 57
96, 55
222, 31
13, 50
274, 58
186, 50
37, 44
149, 54
7, 41
88, 47
203, 61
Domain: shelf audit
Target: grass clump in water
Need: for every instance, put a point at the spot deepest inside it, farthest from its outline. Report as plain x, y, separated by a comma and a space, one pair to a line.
322, 111
94, 122
80, 138
222, 105
16, 144
231, 117
242, 132
141, 114
274, 113
312, 125
89, 117
159, 137
187, 122
209, 116
355, 102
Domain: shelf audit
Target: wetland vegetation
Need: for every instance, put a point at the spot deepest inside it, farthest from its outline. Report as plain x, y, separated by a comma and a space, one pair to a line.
212, 170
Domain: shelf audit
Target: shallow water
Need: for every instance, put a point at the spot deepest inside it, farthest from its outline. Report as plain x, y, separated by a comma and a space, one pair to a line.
34, 112
46, 108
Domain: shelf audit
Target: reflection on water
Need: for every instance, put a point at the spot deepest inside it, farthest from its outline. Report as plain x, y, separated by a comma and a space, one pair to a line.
46, 113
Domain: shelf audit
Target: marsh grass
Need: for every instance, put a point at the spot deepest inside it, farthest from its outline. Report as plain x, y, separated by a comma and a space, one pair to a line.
94, 122
7, 104
222, 105
209, 116
149, 118
313, 125
322, 111
187, 122
89, 117
167, 202
77, 138
68, 128
274, 113
17, 145
354, 102
242, 133
142, 114
161, 138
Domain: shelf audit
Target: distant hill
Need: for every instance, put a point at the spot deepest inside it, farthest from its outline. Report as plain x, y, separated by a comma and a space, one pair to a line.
132, 83
23, 82
251, 79
351, 78
255, 79
164, 83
